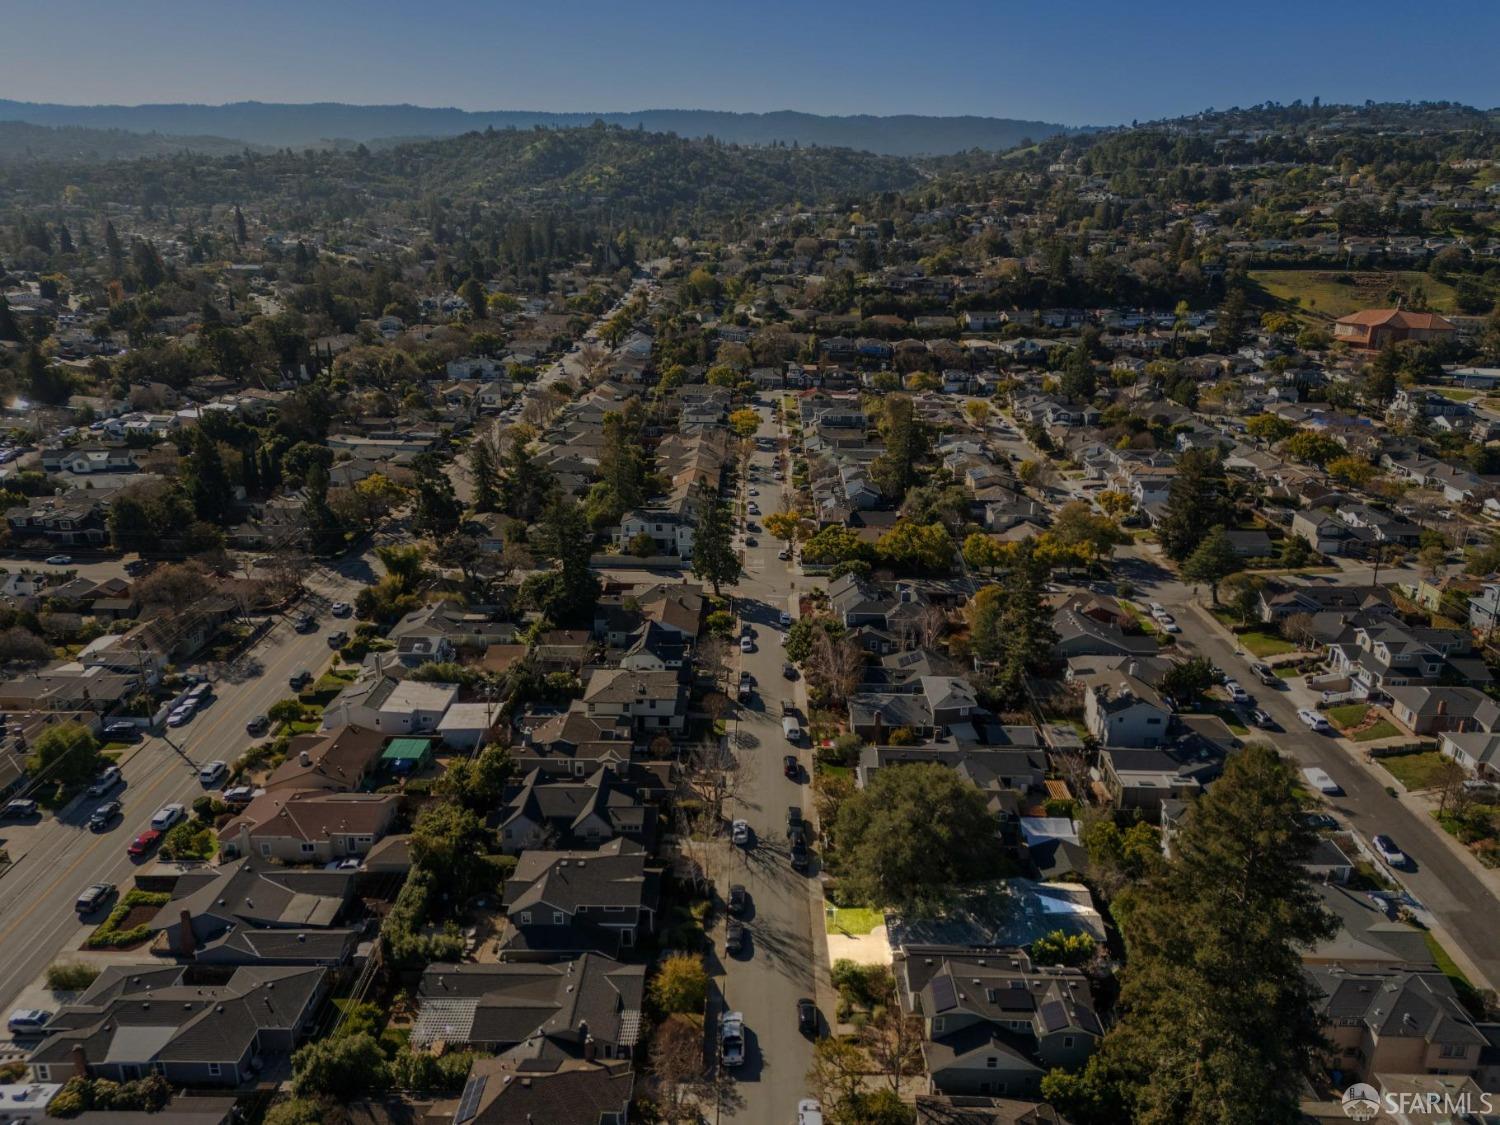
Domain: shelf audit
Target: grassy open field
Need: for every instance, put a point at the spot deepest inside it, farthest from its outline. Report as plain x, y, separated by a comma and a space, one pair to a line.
1325, 293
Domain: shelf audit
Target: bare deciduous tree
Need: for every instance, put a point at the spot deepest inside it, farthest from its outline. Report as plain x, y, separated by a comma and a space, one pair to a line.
714, 774
893, 1038
1298, 628
835, 665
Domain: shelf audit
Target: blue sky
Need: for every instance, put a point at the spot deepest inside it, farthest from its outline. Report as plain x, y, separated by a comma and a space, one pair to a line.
1073, 61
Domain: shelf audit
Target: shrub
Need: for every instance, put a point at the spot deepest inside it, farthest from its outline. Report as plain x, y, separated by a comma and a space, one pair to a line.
1059, 948
70, 976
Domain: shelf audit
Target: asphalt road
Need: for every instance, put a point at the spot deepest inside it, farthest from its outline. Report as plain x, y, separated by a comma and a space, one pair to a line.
56, 857
776, 968
1463, 906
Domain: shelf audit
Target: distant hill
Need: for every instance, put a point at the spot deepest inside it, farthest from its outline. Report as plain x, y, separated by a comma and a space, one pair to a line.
22, 143
300, 126
606, 175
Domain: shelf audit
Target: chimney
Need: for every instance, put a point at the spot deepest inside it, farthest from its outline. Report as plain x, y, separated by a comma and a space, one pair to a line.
589, 1050
80, 1061
187, 943
305, 758
1442, 707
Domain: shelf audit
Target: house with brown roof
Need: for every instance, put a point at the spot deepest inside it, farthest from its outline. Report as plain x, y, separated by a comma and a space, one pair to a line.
338, 760
1373, 329
309, 826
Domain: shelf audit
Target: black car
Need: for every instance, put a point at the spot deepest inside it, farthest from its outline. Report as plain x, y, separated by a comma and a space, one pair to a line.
738, 899
790, 767
794, 825
800, 857
104, 815
789, 670
258, 726
807, 1016
734, 937
338, 640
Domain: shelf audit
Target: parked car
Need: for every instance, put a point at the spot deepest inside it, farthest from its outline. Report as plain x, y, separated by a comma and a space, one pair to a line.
789, 670
258, 726
299, 680
304, 623
1262, 719
145, 842
166, 816
20, 808
1314, 720
732, 1038
348, 863
734, 937
747, 644
210, 772
791, 729
1386, 848
1265, 674
807, 1016
121, 732
108, 778
238, 795
201, 694
341, 609
181, 715
786, 618
59, 560
783, 554
750, 541
800, 856
136, 566
1236, 693
102, 817
738, 899
1321, 781
93, 897
28, 1021
338, 640
791, 767
739, 832
794, 821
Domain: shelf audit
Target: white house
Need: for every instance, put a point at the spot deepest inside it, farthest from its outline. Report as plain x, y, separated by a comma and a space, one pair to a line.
378, 702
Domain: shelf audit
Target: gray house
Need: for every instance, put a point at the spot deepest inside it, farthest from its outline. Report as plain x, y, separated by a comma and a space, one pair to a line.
136, 1020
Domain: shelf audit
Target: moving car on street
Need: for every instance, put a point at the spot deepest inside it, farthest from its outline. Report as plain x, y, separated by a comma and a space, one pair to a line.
102, 817
739, 833
93, 897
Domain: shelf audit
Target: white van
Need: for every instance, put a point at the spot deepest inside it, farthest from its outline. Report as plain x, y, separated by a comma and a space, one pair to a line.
790, 728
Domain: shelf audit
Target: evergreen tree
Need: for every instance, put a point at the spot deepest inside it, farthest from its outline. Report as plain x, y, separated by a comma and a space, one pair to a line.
324, 535
45, 383
484, 471
1216, 1011
437, 511
112, 246
207, 482
714, 556
250, 470
906, 444
1196, 502
525, 484
565, 596
9, 328
64, 239
472, 291
240, 234
1212, 561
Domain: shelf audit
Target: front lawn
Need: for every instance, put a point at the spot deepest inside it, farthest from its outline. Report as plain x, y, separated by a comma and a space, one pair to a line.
1351, 715
1449, 968
1259, 643
1415, 771
854, 920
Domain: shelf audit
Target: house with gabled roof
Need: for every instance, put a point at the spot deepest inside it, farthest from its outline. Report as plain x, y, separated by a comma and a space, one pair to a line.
560, 902
574, 813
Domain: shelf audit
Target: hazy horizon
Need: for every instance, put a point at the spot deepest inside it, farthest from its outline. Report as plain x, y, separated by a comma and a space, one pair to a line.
878, 58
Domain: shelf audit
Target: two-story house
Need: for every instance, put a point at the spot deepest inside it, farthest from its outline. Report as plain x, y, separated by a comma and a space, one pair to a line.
560, 902
654, 702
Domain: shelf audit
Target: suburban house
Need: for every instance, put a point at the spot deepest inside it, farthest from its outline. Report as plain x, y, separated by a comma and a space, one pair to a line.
653, 702
309, 826
1477, 751
565, 812
339, 760
1145, 778
391, 706
1427, 709
590, 1004
562, 902
993, 1024
1119, 707
509, 1088
1395, 1022
136, 1020
1080, 634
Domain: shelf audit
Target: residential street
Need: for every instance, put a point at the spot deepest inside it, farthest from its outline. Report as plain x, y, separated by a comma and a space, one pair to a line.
1463, 905
56, 857
776, 968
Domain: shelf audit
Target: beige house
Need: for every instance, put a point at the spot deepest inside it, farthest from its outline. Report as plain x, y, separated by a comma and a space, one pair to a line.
309, 826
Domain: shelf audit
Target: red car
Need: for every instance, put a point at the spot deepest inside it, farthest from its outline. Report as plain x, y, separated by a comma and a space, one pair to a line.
144, 842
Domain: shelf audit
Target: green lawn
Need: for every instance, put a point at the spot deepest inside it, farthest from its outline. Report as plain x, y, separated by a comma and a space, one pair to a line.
1449, 968
1287, 672
1259, 643
1319, 291
1348, 715
1415, 771
1384, 728
1457, 394
854, 920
